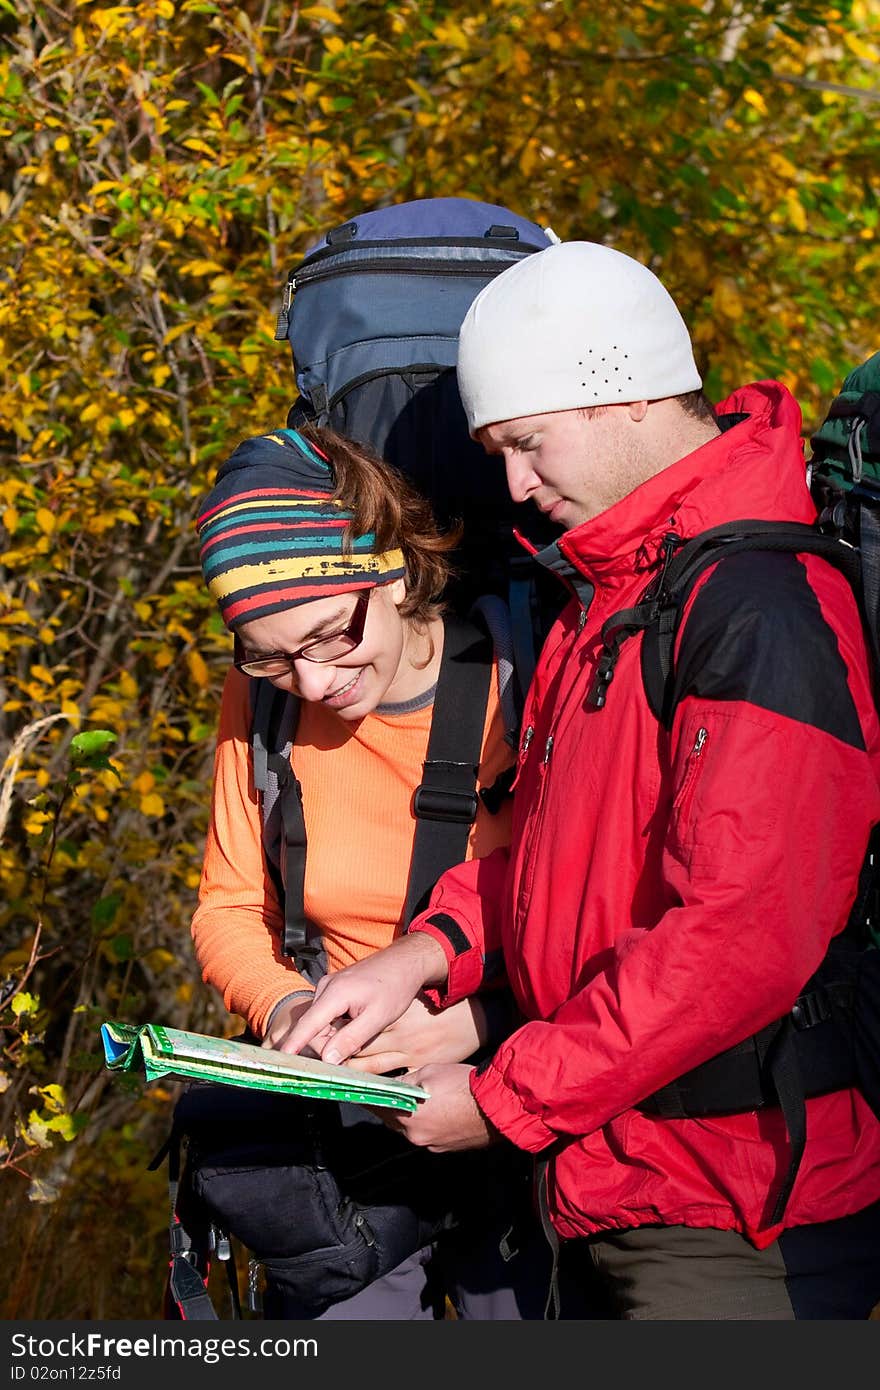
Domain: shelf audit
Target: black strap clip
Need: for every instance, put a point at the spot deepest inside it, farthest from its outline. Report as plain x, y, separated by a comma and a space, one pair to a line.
444, 804
810, 1009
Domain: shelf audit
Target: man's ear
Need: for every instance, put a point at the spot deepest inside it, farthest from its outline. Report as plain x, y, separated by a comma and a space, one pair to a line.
637, 411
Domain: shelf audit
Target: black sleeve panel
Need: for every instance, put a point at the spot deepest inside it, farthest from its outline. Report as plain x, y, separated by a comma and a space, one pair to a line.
451, 930
755, 632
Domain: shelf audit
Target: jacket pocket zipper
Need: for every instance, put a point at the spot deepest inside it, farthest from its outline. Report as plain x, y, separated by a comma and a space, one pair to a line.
685, 796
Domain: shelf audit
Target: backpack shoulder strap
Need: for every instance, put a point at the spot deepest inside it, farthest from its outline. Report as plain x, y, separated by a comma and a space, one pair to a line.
662, 617
273, 729
493, 613
764, 1068
445, 802
867, 503
274, 717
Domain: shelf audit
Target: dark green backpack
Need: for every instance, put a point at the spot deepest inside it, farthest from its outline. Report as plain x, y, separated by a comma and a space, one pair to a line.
845, 481
846, 447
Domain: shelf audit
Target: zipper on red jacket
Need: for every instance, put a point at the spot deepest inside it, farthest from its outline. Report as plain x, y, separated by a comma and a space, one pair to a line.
685, 795
525, 741
524, 890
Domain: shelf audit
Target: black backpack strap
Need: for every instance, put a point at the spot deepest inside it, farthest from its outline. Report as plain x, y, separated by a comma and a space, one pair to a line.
642, 617
660, 619
300, 939
186, 1293
273, 729
274, 717
764, 1069
187, 1290
783, 1069
869, 546
445, 802
542, 1185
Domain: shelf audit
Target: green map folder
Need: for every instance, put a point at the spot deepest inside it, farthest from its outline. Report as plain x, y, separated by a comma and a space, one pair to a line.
158, 1051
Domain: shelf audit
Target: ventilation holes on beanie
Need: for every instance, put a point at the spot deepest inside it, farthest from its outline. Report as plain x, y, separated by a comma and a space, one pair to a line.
612, 362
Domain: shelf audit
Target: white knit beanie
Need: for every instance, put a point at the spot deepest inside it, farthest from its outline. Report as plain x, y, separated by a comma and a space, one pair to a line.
577, 324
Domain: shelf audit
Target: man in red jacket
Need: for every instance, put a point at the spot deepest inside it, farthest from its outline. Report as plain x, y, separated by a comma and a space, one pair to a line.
670, 886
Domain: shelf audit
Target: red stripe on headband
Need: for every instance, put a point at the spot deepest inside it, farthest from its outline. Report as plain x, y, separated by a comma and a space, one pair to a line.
309, 493
298, 594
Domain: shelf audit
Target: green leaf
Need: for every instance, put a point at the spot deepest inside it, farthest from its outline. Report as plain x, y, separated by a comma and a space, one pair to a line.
210, 96
93, 741
88, 749
105, 910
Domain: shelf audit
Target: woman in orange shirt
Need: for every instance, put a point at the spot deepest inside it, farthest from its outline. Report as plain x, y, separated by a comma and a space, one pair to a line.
328, 568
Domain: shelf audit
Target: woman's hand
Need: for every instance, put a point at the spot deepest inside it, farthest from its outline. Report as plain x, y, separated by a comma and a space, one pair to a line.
424, 1034
284, 1016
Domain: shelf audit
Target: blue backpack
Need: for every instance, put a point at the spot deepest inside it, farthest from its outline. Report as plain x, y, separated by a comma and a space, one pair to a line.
372, 315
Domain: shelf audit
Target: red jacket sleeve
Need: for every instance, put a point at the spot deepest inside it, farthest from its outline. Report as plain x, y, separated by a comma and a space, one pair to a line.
464, 916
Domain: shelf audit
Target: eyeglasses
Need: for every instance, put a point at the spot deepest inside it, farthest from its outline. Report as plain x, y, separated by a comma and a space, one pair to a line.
321, 649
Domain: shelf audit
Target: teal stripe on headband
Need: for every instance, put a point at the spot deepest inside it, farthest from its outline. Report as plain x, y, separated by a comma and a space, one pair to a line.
303, 444
285, 515
226, 555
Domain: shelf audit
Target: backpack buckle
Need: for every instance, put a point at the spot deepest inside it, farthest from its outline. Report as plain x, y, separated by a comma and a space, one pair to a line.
444, 804
604, 674
810, 1009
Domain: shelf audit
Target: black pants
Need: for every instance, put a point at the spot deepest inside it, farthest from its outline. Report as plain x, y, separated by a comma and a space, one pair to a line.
830, 1270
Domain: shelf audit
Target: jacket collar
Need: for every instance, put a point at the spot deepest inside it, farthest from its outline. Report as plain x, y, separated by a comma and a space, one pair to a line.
753, 470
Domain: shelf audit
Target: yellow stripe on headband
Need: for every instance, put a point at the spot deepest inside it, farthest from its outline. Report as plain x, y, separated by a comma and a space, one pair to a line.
263, 503
279, 571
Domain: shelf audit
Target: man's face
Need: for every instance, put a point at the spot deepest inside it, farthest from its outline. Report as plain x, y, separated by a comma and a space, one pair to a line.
571, 465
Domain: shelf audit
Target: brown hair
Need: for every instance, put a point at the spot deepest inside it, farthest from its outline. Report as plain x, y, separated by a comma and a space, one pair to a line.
697, 405
693, 403
385, 502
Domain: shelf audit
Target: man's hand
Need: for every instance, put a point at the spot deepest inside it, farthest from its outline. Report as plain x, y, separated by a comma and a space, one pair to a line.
354, 1005
424, 1034
450, 1119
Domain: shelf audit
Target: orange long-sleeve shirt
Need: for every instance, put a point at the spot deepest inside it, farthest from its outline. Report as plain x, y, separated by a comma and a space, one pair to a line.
358, 782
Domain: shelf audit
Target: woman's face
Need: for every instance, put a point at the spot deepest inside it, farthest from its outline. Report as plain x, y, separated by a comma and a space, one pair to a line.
377, 671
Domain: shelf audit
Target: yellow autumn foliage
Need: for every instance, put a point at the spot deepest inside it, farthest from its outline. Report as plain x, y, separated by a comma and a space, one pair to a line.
164, 164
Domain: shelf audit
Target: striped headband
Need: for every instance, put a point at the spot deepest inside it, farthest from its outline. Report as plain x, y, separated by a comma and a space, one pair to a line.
272, 536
